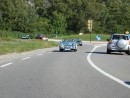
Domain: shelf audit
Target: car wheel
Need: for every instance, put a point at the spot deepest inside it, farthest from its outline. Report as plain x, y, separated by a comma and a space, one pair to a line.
108, 51
61, 50
75, 50
128, 51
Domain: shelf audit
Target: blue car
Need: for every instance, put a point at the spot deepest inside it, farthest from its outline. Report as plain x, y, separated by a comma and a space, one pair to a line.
129, 36
68, 45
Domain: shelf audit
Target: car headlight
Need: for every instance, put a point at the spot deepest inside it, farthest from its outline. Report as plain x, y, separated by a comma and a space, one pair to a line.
73, 45
62, 45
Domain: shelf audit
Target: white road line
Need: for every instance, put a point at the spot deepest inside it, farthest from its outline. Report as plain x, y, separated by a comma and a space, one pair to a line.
39, 54
26, 58
103, 72
6, 64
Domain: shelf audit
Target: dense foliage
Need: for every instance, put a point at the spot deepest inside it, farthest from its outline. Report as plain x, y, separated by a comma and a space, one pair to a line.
65, 16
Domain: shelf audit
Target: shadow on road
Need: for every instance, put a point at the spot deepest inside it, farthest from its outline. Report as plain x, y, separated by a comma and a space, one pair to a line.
61, 51
96, 52
127, 82
114, 53
56, 51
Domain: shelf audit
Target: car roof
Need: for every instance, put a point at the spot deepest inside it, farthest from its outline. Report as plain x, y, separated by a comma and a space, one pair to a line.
119, 34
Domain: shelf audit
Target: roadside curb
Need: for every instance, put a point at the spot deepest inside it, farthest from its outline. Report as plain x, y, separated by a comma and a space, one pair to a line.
13, 56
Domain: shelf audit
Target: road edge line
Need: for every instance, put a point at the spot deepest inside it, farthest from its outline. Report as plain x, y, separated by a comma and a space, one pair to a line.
6, 65
103, 72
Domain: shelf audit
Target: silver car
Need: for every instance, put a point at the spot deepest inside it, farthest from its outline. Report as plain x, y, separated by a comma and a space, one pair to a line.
119, 43
68, 45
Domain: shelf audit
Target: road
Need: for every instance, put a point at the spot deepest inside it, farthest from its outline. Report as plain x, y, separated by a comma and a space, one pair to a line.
54, 74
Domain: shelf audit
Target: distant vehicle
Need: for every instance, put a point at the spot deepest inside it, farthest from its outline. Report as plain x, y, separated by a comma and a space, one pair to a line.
78, 41
41, 36
129, 36
119, 43
68, 45
25, 36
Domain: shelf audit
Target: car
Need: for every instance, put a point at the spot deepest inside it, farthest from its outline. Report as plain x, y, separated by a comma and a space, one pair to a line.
68, 45
118, 43
25, 36
41, 36
78, 41
129, 36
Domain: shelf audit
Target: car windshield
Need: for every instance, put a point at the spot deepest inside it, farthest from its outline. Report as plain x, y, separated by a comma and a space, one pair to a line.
117, 37
68, 40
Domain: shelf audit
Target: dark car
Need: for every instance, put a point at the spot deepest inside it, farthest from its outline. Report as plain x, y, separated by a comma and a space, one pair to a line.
41, 36
78, 41
129, 36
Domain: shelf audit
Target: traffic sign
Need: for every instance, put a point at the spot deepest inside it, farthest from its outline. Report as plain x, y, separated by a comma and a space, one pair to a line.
98, 38
90, 24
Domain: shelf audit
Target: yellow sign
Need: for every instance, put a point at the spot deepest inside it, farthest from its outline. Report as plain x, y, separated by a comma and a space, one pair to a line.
90, 24
127, 32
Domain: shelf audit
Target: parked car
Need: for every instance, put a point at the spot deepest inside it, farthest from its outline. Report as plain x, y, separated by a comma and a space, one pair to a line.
119, 43
25, 36
68, 45
78, 41
41, 36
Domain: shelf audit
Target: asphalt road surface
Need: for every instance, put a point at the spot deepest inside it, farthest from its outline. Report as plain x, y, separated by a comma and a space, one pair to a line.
87, 73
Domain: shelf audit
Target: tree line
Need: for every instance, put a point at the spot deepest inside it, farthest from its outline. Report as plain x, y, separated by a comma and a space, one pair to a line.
65, 16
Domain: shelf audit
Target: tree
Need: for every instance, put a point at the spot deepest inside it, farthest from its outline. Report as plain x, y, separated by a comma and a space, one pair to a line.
17, 15
59, 23
65, 15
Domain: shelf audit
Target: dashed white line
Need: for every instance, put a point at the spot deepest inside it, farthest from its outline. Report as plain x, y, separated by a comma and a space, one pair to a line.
49, 52
103, 72
26, 58
39, 54
6, 64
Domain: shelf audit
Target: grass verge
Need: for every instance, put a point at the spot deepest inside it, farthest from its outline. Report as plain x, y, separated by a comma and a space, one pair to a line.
11, 45
86, 37
18, 45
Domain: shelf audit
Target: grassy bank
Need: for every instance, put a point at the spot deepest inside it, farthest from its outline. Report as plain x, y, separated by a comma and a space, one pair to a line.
17, 35
18, 45
86, 37
11, 42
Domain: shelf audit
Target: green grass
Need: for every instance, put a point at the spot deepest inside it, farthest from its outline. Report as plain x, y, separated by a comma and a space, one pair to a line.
18, 45
86, 37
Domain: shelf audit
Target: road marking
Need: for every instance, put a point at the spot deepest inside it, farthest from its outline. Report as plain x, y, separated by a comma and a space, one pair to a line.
26, 58
39, 54
103, 72
6, 64
49, 52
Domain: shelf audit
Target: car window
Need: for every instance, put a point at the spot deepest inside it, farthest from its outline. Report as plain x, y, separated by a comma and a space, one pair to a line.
117, 37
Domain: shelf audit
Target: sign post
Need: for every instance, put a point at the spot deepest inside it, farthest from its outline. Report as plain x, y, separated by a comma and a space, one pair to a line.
90, 24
